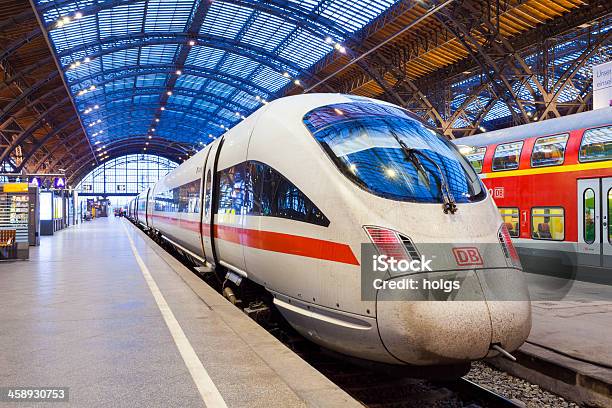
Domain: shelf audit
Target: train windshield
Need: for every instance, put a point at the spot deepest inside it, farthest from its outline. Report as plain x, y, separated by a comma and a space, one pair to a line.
389, 153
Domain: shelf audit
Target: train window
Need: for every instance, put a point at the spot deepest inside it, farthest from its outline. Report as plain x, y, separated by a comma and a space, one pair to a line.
185, 198
388, 152
588, 216
596, 145
207, 192
510, 216
189, 197
231, 190
269, 193
507, 156
549, 151
475, 155
548, 223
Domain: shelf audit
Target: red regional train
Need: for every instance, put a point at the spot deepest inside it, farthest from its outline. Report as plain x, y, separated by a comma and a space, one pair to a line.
552, 183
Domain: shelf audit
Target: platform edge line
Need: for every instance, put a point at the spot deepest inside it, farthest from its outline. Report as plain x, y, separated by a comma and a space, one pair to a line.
210, 394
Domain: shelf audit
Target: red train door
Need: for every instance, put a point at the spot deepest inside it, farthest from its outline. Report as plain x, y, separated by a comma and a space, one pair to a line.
594, 212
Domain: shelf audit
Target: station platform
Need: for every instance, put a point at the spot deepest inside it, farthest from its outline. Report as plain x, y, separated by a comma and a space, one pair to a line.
103, 310
569, 349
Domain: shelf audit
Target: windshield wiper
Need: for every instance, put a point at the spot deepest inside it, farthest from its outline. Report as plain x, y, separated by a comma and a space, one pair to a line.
450, 205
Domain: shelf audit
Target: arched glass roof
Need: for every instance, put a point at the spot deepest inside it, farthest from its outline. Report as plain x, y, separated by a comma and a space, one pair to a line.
125, 175
185, 70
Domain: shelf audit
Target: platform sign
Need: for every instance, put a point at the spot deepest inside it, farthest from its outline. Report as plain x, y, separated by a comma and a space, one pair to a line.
87, 187
602, 85
59, 183
120, 187
35, 181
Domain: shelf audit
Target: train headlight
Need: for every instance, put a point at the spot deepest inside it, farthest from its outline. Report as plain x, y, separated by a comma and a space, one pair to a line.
512, 258
391, 243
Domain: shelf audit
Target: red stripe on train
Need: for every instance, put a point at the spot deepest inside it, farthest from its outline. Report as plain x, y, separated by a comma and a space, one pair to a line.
273, 241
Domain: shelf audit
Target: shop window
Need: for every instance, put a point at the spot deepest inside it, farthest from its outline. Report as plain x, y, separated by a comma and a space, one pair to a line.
549, 151
507, 156
510, 216
596, 144
475, 155
548, 223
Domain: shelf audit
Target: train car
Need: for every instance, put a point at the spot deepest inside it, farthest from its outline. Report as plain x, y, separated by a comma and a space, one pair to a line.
552, 182
288, 198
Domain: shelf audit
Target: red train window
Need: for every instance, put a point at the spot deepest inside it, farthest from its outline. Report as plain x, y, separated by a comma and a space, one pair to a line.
507, 156
549, 151
596, 144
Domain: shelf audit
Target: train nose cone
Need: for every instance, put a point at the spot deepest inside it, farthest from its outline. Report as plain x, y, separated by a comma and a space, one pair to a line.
424, 328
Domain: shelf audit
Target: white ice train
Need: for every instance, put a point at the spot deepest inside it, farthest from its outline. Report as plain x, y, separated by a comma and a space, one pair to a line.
287, 197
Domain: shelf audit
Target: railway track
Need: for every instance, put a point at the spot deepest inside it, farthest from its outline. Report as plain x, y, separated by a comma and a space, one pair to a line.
375, 389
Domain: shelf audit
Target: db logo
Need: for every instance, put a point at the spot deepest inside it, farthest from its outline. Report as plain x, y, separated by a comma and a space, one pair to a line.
467, 256
498, 192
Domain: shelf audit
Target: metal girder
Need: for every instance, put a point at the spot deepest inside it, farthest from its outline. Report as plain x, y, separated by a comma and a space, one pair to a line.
288, 11
8, 81
578, 63
212, 98
153, 108
145, 122
40, 142
110, 45
30, 130
77, 134
26, 94
17, 19
134, 70
15, 45
465, 36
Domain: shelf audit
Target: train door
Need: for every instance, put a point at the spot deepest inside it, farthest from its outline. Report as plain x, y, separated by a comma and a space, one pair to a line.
208, 210
606, 191
594, 232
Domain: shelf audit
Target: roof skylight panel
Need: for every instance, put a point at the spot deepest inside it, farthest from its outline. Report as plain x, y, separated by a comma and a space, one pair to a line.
146, 99
120, 59
84, 70
148, 80
168, 15
121, 20
246, 101
499, 110
270, 79
180, 99
219, 88
205, 104
157, 54
190, 81
121, 83
267, 31
204, 57
224, 19
53, 14
83, 31
305, 50
238, 65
